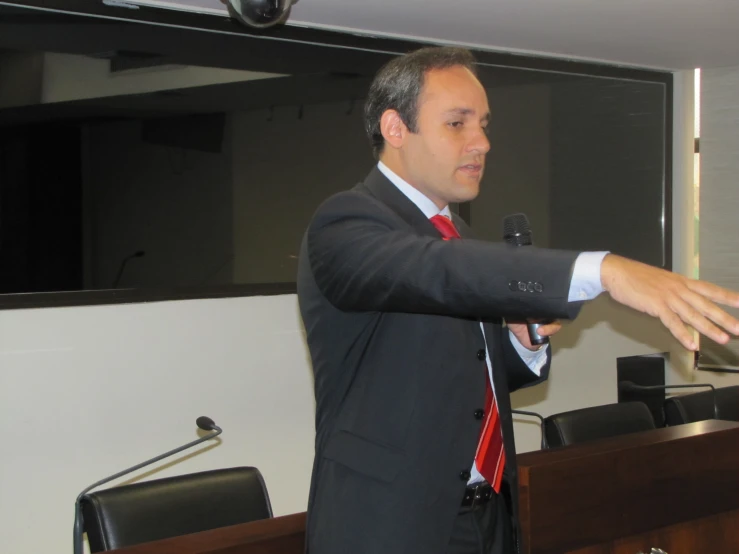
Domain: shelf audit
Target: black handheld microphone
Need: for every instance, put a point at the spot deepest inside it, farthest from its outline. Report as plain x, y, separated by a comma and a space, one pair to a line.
544, 444
517, 232
630, 386
203, 422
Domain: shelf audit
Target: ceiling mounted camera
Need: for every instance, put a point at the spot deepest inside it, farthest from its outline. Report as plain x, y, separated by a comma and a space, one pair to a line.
259, 13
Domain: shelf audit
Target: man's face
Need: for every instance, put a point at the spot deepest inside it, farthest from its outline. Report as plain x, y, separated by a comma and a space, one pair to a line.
445, 159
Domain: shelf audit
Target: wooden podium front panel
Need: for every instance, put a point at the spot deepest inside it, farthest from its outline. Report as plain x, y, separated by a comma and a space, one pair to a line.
717, 534
584, 496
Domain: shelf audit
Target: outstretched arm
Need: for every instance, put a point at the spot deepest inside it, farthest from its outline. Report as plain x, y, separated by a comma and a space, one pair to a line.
365, 258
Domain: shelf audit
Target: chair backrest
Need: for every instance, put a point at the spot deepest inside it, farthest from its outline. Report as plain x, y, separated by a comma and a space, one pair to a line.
163, 508
598, 422
688, 408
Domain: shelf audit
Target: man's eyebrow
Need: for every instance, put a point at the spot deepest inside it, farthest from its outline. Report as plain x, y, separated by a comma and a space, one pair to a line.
466, 112
460, 111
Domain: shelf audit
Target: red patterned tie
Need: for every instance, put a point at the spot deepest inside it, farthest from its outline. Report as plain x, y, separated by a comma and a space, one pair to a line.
490, 455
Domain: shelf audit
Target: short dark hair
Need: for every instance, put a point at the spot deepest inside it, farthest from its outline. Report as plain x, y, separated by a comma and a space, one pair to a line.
398, 85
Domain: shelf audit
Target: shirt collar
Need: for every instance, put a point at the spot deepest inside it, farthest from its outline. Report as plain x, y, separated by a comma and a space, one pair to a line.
413, 194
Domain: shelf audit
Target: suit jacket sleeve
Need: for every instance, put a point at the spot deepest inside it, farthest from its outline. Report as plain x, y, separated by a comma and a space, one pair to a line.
364, 257
518, 374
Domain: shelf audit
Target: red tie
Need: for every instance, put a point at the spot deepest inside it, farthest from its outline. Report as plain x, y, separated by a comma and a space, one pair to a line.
490, 455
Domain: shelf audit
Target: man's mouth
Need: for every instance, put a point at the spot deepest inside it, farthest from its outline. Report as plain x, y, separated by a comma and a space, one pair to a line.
471, 168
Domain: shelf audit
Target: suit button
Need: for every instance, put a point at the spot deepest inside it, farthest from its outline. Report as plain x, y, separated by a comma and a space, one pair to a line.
522, 286
465, 475
513, 285
481, 354
530, 287
479, 413
538, 287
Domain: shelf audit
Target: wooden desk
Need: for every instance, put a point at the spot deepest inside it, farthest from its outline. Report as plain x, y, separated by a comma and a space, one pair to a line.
675, 489
667, 488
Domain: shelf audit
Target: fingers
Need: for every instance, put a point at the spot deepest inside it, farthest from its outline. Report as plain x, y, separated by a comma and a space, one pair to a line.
690, 315
714, 314
676, 326
550, 328
714, 292
701, 314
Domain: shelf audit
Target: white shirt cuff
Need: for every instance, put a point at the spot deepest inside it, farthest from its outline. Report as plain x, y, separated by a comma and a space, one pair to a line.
586, 283
534, 359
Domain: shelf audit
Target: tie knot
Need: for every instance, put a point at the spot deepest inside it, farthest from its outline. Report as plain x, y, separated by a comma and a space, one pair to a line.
446, 227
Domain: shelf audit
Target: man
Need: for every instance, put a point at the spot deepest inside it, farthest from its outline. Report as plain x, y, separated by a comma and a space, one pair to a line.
404, 312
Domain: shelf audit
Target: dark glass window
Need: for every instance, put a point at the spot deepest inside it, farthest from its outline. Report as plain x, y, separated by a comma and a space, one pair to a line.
148, 157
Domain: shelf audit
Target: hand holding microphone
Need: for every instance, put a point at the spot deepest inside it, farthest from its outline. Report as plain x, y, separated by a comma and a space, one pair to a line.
542, 329
517, 232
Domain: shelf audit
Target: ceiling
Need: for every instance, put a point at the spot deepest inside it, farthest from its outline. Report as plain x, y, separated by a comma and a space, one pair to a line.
664, 34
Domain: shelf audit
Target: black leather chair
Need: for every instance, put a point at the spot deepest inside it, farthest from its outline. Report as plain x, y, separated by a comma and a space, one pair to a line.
598, 422
162, 508
688, 408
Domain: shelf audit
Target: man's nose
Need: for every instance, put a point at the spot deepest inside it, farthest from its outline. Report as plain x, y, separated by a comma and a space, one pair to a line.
479, 142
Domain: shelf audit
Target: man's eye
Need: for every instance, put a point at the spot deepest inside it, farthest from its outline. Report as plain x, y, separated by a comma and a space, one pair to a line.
455, 124
486, 129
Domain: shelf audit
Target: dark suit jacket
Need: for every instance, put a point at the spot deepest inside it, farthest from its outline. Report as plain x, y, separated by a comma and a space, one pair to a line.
392, 317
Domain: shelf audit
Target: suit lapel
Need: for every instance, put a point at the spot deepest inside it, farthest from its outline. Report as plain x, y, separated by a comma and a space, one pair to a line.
465, 231
382, 189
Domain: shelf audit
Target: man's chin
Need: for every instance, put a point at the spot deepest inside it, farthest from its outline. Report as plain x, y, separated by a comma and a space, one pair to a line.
466, 192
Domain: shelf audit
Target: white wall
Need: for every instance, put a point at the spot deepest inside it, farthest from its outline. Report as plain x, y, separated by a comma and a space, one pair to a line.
85, 392
683, 211
683, 206
719, 194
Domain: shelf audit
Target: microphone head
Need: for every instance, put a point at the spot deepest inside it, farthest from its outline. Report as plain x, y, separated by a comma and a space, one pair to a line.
516, 230
205, 423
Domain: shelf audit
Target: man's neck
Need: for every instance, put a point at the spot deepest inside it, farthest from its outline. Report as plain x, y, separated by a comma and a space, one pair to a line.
425, 204
396, 166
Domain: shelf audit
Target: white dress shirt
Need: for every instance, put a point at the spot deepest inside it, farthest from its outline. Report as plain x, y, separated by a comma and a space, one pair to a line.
585, 284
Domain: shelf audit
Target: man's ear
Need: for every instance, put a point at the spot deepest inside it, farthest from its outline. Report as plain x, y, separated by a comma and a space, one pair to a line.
393, 129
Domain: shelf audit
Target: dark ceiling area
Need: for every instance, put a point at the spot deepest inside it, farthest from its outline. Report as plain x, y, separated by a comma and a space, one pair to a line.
239, 96
316, 72
232, 47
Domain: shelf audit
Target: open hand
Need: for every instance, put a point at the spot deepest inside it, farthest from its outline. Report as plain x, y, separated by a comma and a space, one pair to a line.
677, 301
